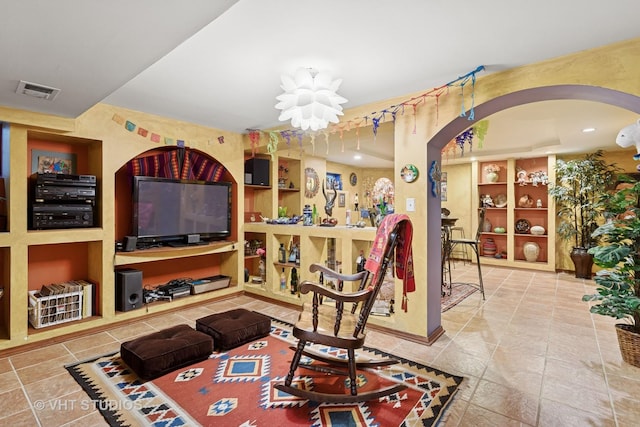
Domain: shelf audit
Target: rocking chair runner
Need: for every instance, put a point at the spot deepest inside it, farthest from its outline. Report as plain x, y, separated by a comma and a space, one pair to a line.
331, 326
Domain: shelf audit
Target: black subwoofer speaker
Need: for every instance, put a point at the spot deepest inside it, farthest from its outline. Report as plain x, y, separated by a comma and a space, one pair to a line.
128, 289
256, 171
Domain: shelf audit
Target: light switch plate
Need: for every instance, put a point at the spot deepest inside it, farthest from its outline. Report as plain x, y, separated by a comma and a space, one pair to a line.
411, 205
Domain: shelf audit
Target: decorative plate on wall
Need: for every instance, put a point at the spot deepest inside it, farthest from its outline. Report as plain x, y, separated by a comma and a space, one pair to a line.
311, 183
353, 179
409, 173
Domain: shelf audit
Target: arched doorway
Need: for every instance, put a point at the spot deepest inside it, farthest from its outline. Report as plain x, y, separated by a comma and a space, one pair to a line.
456, 126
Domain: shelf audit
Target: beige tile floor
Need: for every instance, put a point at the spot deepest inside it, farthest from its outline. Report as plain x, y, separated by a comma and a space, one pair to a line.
531, 355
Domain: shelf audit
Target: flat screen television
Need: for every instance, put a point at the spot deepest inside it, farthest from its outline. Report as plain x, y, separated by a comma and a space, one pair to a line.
166, 210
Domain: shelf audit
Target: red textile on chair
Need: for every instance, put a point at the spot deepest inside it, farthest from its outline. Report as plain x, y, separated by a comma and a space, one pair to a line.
404, 253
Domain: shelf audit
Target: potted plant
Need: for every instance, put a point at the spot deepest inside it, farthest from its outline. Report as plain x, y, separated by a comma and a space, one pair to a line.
618, 252
580, 185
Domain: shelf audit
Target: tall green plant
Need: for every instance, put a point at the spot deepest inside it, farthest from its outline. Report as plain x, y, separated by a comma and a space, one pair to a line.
580, 185
618, 252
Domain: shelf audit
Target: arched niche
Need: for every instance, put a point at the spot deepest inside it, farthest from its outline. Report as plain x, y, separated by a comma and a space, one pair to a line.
123, 191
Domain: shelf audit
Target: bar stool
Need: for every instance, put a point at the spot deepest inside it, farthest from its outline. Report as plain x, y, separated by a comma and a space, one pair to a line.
474, 244
460, 252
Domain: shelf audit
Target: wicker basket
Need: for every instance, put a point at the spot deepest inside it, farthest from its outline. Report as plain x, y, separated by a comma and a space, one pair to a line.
629, 343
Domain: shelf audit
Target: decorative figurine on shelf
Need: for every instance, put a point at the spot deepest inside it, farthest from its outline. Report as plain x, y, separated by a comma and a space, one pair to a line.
486, 201
331, 200
282, 254
262, 271
355, 202
360, 262
293, 253
307, 212
283, 281
539, 178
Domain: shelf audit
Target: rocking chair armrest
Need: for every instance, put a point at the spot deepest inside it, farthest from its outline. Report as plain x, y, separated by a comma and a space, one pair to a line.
313, 268
306, 287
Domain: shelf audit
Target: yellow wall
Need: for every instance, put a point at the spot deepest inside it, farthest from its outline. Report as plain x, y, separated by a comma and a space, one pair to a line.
613, 67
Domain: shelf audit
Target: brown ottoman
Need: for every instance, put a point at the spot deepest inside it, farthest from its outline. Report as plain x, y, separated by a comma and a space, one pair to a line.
164, 351
235, 327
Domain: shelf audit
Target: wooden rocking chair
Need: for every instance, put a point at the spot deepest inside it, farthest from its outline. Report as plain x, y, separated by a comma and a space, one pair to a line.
331, 326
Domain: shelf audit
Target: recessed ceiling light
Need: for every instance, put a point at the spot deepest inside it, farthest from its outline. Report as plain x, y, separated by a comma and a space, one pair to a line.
357, 157
587, 130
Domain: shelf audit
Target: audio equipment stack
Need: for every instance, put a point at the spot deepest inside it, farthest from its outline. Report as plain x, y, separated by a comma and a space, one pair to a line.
62, 200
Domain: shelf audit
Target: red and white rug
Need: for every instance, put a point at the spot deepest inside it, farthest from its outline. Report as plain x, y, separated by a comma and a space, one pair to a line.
235, 388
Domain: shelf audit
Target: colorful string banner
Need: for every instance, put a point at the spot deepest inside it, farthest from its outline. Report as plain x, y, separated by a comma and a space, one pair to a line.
376, 118
153, 136
475, 133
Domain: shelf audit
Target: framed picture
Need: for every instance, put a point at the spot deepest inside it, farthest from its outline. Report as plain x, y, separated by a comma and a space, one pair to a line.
443, 187
334, 181
53, 162
342, 200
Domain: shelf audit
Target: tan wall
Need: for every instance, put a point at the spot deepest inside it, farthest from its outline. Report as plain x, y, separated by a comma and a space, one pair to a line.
613, 67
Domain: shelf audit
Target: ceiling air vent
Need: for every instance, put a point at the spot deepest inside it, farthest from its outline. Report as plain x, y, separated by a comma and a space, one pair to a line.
37, 90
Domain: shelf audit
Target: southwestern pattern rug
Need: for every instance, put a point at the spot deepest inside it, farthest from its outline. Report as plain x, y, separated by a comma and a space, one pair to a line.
458, 292
235, 388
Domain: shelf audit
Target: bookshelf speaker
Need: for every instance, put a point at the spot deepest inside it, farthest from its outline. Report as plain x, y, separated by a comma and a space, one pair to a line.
257, 170
128, 289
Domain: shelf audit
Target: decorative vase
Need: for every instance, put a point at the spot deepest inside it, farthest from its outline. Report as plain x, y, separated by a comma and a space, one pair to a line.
492, 176
582, 261
486, 226
489, 248
629, 343
531, 251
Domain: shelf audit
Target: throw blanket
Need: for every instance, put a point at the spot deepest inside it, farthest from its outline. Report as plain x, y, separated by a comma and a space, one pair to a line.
404, 255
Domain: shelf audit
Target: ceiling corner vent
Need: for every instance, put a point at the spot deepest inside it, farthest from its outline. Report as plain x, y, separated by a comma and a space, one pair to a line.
37, 90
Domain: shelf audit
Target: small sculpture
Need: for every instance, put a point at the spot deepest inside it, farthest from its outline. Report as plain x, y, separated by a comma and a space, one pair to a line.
487, 201
629, 136
331, 200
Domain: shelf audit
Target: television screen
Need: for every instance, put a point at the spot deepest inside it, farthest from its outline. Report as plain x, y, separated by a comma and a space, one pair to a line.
169, 209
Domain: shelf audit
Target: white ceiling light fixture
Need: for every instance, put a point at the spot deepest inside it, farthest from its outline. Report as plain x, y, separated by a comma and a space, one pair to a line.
310, 100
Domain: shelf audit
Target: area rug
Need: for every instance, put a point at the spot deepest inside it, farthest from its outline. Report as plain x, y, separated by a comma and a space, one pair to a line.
459, 291
235, 388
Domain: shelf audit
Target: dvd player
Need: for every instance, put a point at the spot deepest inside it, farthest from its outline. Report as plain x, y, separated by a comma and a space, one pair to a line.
210, 283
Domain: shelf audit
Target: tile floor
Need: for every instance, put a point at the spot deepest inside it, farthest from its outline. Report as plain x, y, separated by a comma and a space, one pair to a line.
531, 355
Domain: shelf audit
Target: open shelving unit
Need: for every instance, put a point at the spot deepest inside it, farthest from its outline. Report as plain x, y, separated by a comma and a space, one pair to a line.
517, 211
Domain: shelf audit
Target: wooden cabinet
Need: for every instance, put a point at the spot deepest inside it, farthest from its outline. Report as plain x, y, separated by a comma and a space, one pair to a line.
517, 202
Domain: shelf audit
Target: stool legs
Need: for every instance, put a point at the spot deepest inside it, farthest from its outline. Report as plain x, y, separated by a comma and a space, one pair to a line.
476, 249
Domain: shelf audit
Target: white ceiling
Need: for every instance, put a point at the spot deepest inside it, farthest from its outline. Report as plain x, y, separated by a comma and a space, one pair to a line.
218, 63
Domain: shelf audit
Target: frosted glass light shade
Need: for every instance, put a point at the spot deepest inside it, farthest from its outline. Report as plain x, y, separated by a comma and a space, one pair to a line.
310, 100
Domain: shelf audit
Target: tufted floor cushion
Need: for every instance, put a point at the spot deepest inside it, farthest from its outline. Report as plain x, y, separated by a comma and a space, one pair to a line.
156, 354
235, 327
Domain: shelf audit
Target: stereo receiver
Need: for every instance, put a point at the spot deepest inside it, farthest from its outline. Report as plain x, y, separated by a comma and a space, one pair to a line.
61, 216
